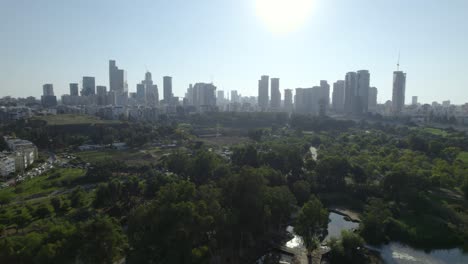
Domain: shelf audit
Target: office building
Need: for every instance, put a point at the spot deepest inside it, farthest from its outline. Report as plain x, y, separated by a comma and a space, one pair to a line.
48, 98
263, 92
74, 91
399, 89
220, 95
89, 86
362, 95
338, 96
234, 97
288, 99
275, 94
414, 100
324, 97
101, 92
372, 103
204, 96
350, 91
118, 84
167, 87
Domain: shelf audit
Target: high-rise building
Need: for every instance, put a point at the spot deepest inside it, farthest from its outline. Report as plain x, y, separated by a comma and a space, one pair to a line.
362, 95
234, 96
48, 89
150, 90
307, 100
101, 92
263, 92
118, 84
414, 100
89, 86
220, 96
399, 88
117, 78
372, 99
350, 91
204, 95
141, 93
338, 97
324, 96
167, 87
48, 98
288, 99
74, 89
275, 94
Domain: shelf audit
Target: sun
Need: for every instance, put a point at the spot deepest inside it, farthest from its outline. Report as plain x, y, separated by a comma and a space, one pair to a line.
283, 16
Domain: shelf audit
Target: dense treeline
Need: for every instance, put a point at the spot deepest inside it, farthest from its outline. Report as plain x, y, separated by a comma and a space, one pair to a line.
198, 206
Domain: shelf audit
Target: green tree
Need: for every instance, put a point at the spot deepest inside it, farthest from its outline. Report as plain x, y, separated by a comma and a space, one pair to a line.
302, 191
101, 241
77, 197
56, 203
375, 220
43, 211
312, 218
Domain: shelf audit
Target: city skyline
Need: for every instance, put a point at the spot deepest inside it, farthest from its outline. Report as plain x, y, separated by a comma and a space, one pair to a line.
236, 50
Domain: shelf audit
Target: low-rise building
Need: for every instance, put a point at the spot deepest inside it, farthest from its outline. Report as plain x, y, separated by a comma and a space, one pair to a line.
7, 164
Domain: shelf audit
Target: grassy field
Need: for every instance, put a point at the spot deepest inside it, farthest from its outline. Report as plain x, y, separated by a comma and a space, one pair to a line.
70, 119
436, 131
463, 156
42, 185
129, 157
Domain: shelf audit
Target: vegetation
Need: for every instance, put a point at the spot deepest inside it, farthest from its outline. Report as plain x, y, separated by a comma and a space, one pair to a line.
203, 203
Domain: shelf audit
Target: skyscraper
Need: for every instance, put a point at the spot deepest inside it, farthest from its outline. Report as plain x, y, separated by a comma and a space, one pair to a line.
275, 94
234, 96
263, 92
350, 91
48, 98
362, 95
220, 96
117, 78
89, 86
74, 89
288, 99
48, 89
204, 95
372, 99
101, 92
141, 93
118, 86
167, 86
324, 96
150, 90
399, 88
338, 97
414, 100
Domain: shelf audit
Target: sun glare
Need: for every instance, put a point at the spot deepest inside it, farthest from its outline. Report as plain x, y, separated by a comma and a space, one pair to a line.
283, 16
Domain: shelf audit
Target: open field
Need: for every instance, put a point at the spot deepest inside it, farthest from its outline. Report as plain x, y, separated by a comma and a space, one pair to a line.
129, 157
436, 131
463, 156
70, 119
42, 185
224, 140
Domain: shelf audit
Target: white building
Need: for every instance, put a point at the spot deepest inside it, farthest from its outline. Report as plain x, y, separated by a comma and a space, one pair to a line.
7, 164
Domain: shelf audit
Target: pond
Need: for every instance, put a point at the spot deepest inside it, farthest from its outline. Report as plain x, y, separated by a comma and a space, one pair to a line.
398, 253
336, 224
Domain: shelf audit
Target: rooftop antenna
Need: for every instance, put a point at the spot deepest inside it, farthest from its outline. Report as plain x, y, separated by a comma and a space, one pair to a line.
398, 63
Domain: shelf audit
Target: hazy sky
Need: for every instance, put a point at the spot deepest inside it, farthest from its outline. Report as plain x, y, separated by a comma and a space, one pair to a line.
229, 43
